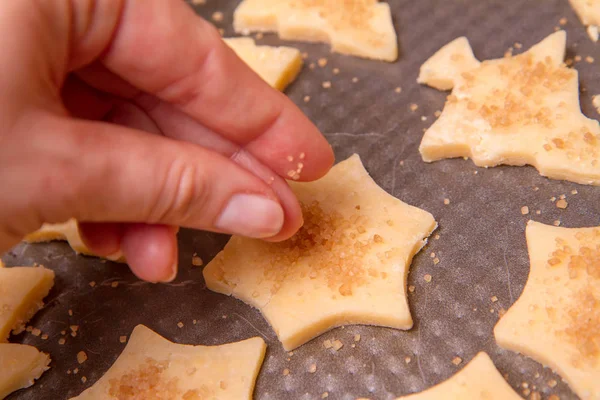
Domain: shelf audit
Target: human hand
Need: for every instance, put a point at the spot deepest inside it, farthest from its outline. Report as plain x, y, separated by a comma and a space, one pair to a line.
134, 116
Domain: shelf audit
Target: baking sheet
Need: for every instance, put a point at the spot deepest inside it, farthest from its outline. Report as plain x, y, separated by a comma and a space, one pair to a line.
481, 247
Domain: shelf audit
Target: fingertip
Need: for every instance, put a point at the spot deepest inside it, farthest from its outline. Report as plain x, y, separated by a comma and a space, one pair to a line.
151, 251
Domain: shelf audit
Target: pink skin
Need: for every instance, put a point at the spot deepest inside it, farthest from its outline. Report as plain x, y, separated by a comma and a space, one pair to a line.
134, 116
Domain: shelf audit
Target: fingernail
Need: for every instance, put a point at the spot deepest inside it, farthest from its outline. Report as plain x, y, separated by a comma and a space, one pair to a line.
173, 275
117, 256
252, 216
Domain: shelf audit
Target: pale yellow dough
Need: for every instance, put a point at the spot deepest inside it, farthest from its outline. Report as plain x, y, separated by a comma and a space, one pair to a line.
347, 265
22, 290
556, 321
151, 367
588, 12
69, 232
278, 66
361, 28
515, 111
478, 380
20, 366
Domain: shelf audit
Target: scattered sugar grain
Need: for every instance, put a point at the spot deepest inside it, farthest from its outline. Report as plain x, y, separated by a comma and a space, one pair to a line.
427, 278
456, 361
81, 357
326, 85
524, 210
217, 16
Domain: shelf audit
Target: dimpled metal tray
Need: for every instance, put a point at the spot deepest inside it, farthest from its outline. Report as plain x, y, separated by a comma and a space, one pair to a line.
481, 247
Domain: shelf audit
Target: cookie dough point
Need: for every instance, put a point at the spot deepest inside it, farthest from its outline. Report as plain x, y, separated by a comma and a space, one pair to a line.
20, 366
556, 321
278, 66
516, 111
67, 231
361, 28
588, 12
444, 68
22, 290
347, 265
478, 380
152, 367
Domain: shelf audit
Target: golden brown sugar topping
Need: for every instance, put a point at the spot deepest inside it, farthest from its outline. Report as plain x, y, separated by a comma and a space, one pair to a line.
146, 382
584, 326
585, 261
343, 14
333, 247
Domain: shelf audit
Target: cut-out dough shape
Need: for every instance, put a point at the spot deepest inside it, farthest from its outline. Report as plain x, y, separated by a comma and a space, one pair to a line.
278, 66
515, 111
68, 231
20, 366
348, 264
361, 28
478, 380
588, 12
151, 367
556, 321
22, 290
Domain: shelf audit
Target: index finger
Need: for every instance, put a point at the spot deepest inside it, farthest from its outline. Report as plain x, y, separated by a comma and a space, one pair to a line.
165, 49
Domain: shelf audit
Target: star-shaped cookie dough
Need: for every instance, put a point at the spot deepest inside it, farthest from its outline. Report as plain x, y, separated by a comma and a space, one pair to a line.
361, 28
152, 367
68, 231
515, 111
347, 265
588, 12
278, 66
20, 366
22, 290
556, 321
478, 380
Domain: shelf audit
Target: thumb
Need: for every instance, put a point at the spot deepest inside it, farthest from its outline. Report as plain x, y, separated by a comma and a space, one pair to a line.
103, 172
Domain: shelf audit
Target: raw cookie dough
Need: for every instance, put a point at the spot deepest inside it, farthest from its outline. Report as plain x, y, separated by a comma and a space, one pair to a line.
347, 265
588, 12
68, 231
278, 66
361, 28
478, 380
556, 320
151, 367
445, 67
22, 290
518, 110
20, 366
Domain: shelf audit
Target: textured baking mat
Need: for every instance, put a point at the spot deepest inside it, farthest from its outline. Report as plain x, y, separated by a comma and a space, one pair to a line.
481, 247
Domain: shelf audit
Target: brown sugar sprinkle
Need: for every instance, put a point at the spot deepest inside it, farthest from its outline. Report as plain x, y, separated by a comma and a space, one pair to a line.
45, 336
556, 223
553, 397
577, 58
407, 360
286, 372
326, 85
524, 210
322, 62
197, 261
427, 278
81, 357
552, 383
333, 246
446, 201
327, 344
562, 21
574, 191
76, 371
180, 324
70, 313
398, 90
217, 16
413, 107
456, 361
535, 396
335, 71
325, 395
114, 284
337, 345
83, 379
306, 99
147, 382
311, 66
313, 368
357, 338
61, 341
518, 45
494, 299
122, 339
92, 284
354, 80
589, 59
562, 204
36, 332
411, 288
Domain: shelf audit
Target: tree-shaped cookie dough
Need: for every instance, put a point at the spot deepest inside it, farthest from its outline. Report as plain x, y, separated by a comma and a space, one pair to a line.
20, 366
278, 66
516, 110
152, 367
556, 321
22, 290
588, 12
478, 380
347, 265
361, 28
